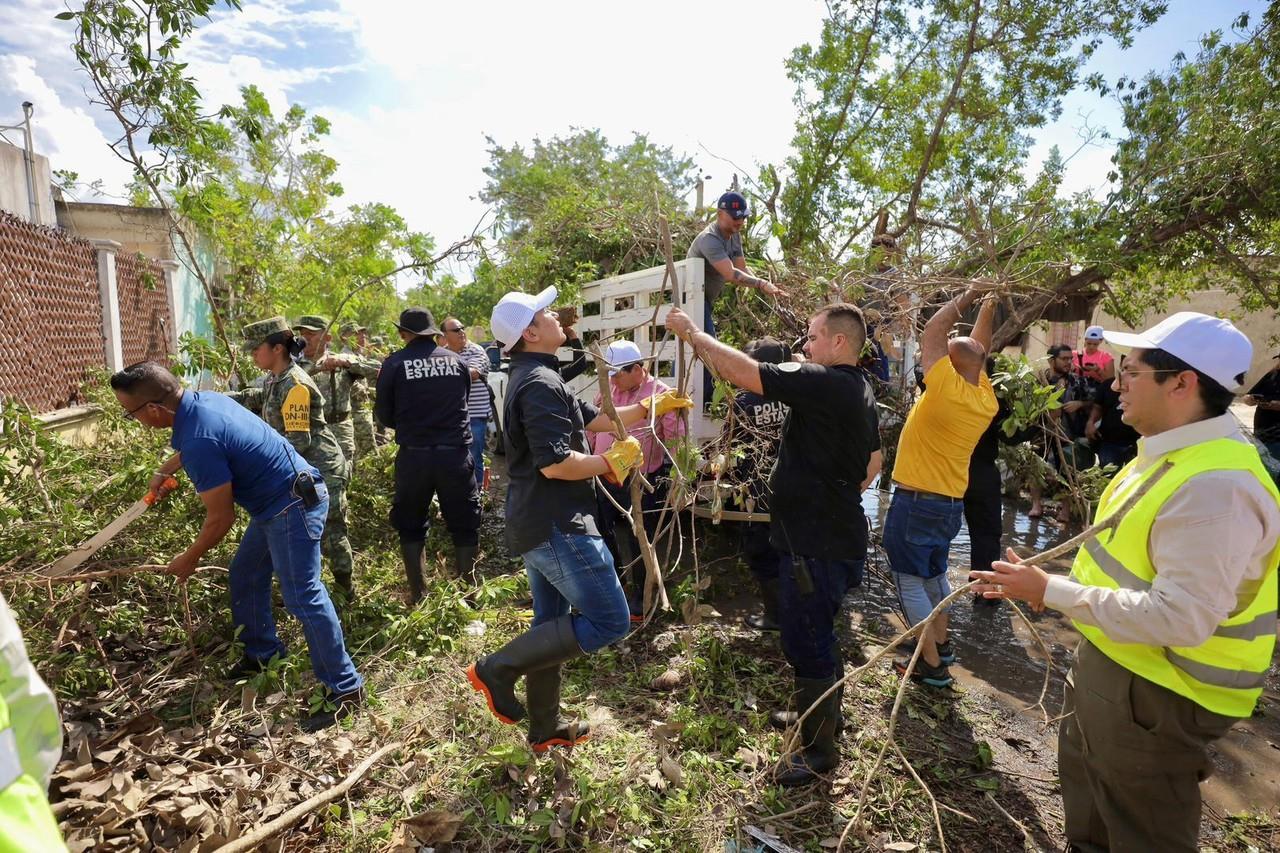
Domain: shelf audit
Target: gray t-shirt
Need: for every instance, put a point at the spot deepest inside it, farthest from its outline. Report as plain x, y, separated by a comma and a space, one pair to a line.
713, 246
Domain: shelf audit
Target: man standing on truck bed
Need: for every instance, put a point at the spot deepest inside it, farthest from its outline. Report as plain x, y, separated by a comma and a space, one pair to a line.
719, 245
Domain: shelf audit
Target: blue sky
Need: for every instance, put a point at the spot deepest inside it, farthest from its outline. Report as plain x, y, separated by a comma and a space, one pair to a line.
412, 88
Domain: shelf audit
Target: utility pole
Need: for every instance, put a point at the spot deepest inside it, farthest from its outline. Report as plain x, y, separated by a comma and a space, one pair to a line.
28, 159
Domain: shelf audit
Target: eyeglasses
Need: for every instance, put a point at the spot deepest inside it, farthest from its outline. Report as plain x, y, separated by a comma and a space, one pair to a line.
132, 414
455, 329
1127, 374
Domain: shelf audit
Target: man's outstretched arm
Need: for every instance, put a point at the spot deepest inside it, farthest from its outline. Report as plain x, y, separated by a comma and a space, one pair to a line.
736, 367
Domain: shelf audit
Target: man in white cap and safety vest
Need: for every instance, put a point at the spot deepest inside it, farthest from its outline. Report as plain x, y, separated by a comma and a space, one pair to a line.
550, 520
1177, 603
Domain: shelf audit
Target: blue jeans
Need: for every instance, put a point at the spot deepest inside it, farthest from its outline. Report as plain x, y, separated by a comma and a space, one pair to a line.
479, 426
918, 596
576, 570
917, 539
288, 546
809, 594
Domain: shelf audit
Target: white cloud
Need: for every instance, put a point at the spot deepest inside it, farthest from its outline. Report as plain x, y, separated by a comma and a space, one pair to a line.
66, 133
704, 78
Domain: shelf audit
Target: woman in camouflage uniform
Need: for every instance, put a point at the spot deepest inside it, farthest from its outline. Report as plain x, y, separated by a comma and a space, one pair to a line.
294, 407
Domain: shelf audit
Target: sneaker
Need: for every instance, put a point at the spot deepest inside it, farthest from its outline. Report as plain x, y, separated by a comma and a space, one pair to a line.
934, 676
946, 655
343, 706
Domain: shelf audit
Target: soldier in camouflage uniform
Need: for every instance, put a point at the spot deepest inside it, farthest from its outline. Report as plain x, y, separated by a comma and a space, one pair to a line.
294, 407
335, 374
354, 342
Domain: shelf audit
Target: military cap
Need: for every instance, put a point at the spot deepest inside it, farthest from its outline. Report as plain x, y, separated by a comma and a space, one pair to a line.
256, 333
312, 323
351, 329
381, 339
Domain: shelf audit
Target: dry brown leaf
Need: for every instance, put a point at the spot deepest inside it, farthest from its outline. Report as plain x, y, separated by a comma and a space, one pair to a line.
95, 789
671, 769
669, 680
901, 846
432, 827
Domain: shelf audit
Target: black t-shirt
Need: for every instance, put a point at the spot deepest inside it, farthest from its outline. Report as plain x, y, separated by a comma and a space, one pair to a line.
1266, 423
760, 418
827, 442
1111, 428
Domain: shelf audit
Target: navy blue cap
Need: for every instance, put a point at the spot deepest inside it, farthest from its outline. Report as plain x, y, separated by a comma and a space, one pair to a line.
733, 204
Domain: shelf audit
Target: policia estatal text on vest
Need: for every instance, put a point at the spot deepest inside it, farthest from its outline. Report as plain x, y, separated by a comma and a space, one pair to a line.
1177, 604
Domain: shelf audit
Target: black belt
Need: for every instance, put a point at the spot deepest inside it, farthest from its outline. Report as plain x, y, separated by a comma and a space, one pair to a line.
930, 495
433, 446
337, 417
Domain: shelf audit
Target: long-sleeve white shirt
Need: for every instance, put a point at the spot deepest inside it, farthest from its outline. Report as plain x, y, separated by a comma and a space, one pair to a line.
1210, 540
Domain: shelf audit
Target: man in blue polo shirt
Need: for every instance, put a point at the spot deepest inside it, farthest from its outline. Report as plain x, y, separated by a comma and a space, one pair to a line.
233, 457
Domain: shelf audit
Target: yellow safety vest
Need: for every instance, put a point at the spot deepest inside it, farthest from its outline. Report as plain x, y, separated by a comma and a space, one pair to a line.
26, 823
1226, 672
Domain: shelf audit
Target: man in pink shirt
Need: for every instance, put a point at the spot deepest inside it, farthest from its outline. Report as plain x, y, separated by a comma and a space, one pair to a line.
630, 382
1093, 362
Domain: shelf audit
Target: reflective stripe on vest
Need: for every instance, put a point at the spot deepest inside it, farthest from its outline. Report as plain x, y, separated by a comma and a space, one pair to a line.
1226, 672
10, 761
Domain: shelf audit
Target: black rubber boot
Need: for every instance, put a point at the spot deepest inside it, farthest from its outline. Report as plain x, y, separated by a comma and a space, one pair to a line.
546, 729
783, 720
464, 563
548, 644
820, 753
768, 619
411, 553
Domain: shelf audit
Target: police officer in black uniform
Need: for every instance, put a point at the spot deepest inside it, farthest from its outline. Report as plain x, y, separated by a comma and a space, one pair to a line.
761, 421
828, 455
422, 395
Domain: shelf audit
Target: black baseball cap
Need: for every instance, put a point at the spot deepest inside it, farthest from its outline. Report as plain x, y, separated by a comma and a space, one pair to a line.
733, 204
417, 321
768, 351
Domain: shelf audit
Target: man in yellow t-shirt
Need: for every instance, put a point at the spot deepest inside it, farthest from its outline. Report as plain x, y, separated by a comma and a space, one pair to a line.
931, 472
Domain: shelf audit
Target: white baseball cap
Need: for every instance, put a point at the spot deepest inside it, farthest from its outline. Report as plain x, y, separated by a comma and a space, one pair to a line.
1093, 333
1211, 345
620, 354
515, 311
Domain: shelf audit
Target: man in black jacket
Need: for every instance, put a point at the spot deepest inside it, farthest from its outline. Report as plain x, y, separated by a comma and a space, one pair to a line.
422, 395
550, 521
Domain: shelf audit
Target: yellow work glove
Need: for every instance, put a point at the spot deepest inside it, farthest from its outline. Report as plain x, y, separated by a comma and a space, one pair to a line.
622, 456
667, 401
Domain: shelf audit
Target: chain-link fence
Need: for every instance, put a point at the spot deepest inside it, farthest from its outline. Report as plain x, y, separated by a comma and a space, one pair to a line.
144, 309
51, 318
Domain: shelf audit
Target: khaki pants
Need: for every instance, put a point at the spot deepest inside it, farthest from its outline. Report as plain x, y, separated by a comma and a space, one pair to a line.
1131, 756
